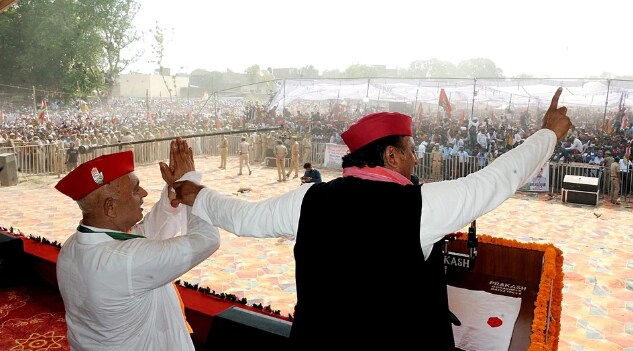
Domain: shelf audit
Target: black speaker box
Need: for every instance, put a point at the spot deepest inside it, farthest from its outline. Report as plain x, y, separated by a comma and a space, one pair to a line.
580, 183
8, 170
580, 197
271, 162
238, 328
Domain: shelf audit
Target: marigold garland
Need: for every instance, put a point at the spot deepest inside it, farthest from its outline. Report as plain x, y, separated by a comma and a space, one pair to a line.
546, 323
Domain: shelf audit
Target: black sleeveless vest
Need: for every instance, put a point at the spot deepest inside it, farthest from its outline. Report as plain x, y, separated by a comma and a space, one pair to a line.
361, 276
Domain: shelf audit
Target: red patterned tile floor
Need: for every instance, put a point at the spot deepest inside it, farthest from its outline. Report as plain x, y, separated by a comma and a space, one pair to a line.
597, 245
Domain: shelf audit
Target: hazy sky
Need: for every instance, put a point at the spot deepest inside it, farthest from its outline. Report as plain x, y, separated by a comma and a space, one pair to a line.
565, 39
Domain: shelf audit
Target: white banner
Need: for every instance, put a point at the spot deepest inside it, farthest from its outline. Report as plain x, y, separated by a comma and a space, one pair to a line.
540, 182
487, 319
333, 155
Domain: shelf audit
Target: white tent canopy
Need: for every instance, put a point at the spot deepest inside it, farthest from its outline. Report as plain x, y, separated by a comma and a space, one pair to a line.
495, 92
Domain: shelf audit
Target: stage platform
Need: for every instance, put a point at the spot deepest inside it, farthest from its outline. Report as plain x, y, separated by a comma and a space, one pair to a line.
597, 247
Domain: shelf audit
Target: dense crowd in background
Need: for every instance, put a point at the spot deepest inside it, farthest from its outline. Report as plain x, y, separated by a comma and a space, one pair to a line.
479, 138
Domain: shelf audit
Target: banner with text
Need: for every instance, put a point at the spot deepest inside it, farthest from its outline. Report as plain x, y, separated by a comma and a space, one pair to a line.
333, 155
540, 182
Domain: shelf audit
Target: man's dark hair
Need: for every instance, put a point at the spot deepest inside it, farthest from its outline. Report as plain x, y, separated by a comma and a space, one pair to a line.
372, 154
307, 165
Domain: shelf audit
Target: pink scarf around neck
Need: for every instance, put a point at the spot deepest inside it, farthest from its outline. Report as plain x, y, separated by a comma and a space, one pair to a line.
379, 174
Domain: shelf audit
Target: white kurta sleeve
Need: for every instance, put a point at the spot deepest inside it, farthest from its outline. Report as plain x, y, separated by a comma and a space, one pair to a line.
274, 217
164, 221
154, 263
451, 205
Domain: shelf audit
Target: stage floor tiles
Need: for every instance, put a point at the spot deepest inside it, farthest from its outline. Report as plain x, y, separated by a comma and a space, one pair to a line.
597, 245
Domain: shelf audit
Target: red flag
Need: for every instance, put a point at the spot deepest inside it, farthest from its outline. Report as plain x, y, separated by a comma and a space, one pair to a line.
420, 117
444, 103
421, 112
41, 117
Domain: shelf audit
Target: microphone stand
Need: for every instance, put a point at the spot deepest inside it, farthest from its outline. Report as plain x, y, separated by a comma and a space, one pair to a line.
462, 260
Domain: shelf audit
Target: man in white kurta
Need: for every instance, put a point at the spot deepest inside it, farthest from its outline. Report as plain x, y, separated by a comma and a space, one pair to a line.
119, 293
447, 206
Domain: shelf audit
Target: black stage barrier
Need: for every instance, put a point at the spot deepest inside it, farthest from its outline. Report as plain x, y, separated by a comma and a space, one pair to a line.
238, 329
12, 260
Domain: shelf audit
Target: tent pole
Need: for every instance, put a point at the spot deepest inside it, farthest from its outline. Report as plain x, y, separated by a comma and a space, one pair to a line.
415, 105
606, 103
472, 108
367, 95
283, 105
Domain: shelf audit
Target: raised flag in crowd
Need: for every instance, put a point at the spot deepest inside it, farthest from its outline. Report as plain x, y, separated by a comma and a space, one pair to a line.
418, 125
444, 103
41, 115
83, 106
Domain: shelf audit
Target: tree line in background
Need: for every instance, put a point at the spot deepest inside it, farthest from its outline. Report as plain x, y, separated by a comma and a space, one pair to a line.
77, 49
67, 47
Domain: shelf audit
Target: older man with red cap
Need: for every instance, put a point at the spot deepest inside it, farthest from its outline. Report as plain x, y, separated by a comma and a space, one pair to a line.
378, 239
116, 274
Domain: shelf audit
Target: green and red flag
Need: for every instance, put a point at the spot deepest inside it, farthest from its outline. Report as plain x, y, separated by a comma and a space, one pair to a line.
444, 103
41, 115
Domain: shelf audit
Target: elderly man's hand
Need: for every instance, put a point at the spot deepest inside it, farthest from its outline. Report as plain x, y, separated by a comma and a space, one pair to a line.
184, 192
180, 161
556, 119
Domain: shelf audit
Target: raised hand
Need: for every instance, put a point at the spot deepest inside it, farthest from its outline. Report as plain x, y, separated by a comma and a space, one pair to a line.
185, 192
180, 161
555, 118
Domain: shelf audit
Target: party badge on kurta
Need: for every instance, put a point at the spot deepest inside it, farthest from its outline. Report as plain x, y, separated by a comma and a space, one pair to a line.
96, 175
494, 322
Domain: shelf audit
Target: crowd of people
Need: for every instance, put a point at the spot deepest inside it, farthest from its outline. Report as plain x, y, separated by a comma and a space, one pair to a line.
448, 146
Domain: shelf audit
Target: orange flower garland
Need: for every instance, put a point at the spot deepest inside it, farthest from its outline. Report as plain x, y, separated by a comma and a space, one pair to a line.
548, 305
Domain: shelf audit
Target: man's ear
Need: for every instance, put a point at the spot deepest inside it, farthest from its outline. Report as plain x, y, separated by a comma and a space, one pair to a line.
391, 156
109, 207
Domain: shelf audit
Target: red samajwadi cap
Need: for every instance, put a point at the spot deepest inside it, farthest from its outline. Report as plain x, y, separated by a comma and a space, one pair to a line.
375, 126
91, 175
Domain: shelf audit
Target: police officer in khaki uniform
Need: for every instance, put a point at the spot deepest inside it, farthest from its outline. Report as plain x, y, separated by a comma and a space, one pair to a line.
436, 162
224, 151
281, 151
306, 145
294, 157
